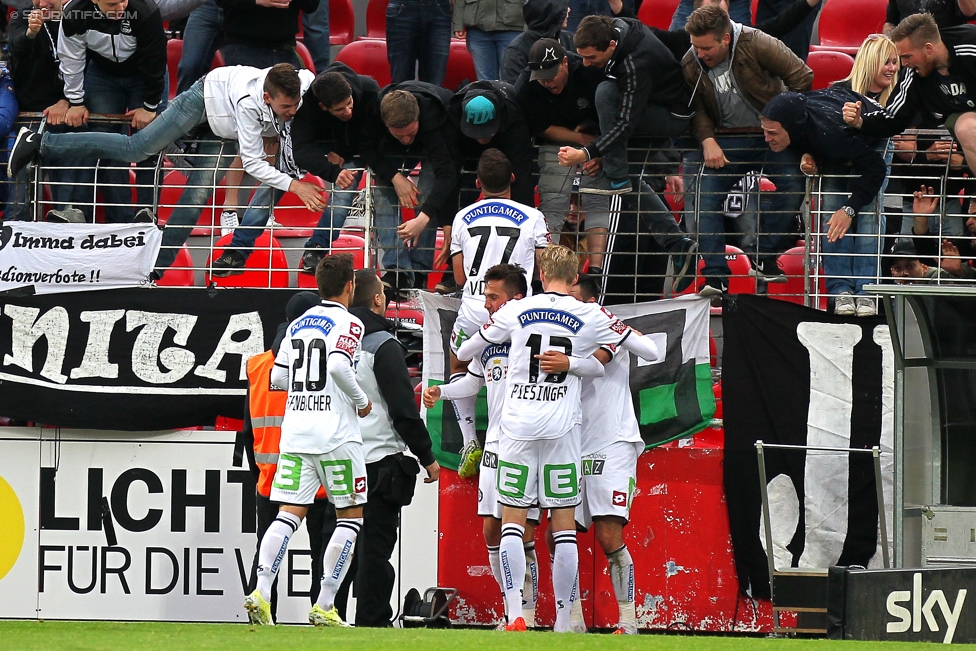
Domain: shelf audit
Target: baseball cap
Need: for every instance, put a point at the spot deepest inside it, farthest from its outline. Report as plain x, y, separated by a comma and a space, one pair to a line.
544, 59
480, 117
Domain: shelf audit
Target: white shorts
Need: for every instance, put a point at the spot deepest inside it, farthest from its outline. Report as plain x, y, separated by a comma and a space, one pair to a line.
609, 477
542, 472
466, 325
342, 471
488, 505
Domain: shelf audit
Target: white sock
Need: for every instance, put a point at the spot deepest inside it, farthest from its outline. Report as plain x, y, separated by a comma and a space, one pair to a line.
530, 590
512, 557
338, 556
565, 572
273, 546
622, 579
464, 411
496, 570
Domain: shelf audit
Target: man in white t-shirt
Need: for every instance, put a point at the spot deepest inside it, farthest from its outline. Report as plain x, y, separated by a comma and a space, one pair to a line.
320, 440
539, 441
495, 230
610, 445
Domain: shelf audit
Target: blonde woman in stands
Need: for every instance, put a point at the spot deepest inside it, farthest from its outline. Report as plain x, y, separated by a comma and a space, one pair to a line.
852, 262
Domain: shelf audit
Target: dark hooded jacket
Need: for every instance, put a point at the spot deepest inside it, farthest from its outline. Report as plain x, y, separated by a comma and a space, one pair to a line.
816, 126
543, 19
436, 143
316, 132
513, 137
34, 64
646, 72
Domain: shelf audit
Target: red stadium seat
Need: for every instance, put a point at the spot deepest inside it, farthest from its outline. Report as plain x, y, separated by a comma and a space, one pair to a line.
342, 22
180, 273
367, 58
460, 67
174, 51
792, 291
266, 266
376, 19
305, 56
844, 24
657, 13
740, 282
291, 215
345, 243
829, 67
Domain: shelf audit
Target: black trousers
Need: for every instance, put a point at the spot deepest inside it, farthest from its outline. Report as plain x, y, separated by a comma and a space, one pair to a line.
315, 523
391, 483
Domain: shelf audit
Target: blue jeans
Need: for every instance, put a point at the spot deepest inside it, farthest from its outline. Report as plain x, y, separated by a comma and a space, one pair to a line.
579, 9
316, 27
239, 54
201, 37
739, 11
747, 154
418, 33
798, 39
334, 215
255, 219
851, 262
397, 256
654, 121
107, 93
487, 50
71, 182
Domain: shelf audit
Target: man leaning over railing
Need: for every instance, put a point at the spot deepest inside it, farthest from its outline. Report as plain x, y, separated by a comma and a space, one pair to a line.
733, 71
236, 102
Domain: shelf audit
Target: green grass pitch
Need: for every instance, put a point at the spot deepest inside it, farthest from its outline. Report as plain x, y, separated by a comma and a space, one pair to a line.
185, 637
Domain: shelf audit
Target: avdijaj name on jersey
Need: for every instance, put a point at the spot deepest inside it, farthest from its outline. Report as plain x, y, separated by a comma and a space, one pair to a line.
321, 323
495, 210
314, 402
538, 392
560, 318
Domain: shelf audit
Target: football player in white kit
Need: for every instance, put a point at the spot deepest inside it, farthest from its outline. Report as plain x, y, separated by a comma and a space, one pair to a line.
320, 439
495, 230
539, 442
611, 444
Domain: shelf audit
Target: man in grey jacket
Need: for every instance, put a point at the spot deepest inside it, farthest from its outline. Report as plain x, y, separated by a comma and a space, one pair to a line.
393, 426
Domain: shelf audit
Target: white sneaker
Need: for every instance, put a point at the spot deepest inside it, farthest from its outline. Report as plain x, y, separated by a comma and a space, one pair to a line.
866, 306
844, 304
228, 222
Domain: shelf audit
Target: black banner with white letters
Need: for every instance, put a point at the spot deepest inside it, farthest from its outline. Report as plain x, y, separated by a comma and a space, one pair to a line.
798, 376
132, 359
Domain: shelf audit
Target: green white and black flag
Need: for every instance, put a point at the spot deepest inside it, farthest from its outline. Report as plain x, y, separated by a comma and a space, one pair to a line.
672, 398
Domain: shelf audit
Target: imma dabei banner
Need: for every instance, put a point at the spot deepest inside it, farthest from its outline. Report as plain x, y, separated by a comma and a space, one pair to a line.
49, 258
132, 359
672, 398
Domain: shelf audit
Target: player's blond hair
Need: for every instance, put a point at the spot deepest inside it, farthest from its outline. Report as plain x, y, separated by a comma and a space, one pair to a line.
558, 263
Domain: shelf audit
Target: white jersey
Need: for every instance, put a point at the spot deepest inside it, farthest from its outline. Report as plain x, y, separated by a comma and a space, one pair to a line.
491, 366
539, 405
319, 416
608, 407
490, 232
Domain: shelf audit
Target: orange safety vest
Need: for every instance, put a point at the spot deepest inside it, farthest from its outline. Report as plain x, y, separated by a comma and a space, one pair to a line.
266, 405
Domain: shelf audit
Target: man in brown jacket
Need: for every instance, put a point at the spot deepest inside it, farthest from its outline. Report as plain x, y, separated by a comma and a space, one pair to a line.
732, 71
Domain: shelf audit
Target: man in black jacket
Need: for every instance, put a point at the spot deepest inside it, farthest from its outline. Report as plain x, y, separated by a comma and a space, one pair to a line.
854, 171
33, 42
393, 426
414, 127
937, 80
326, 134
113, 60
261, 33
543, 19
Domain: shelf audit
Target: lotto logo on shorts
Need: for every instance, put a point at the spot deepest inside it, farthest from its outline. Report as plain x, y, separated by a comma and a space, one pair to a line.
561, 481
360, 484
511, 479
593, 466
619, 499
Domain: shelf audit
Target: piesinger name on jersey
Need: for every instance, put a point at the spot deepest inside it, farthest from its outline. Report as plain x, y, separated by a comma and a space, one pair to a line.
560, 318
538, 392
310, 403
